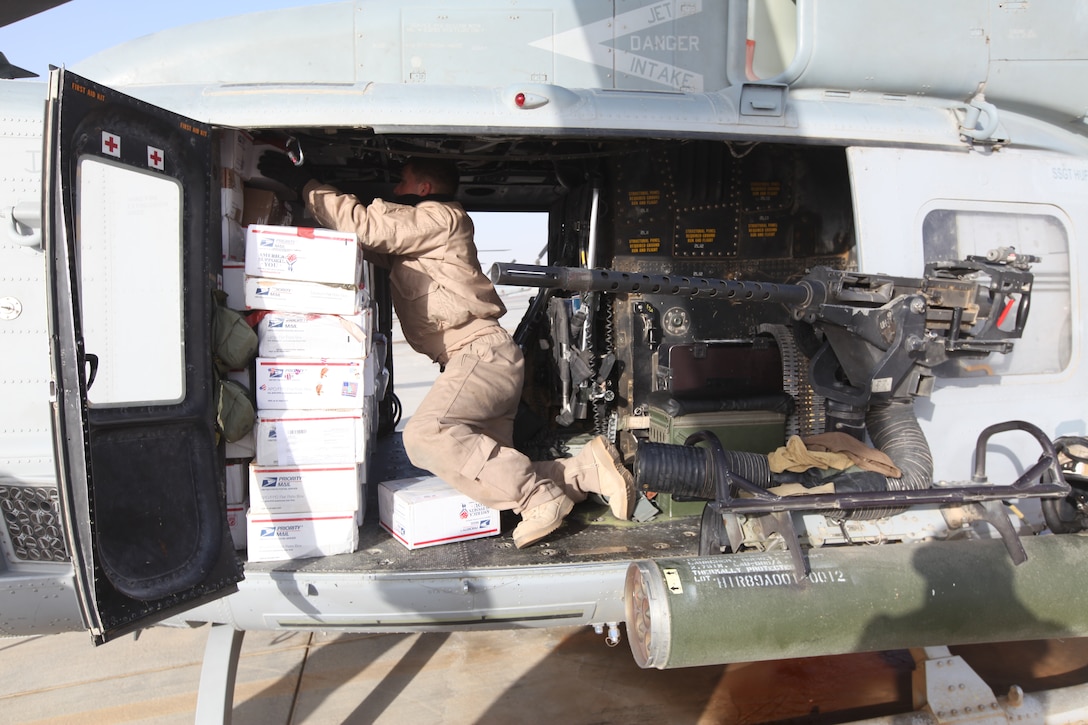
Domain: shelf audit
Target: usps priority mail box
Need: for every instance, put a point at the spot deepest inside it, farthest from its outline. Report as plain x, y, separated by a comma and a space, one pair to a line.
299, 334
285, 383
292, 295
303, 253
300, 489
427, 511
303, 437
275, 537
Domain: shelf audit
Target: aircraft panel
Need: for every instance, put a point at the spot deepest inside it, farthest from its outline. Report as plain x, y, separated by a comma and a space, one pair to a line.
991, 201
861, 46
139, 468
13, 12
26, 445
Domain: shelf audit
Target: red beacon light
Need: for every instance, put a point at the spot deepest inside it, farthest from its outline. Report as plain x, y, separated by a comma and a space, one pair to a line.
529, 100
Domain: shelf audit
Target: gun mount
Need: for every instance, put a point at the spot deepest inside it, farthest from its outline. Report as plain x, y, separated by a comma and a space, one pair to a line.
879, 339
881, 334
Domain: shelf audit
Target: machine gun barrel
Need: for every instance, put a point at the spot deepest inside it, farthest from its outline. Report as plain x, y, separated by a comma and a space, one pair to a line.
577, 279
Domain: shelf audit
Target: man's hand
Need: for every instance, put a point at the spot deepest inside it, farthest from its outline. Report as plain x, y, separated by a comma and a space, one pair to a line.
277, 167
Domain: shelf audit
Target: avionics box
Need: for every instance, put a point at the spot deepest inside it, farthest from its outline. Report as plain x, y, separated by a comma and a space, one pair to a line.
301, 253
427, 511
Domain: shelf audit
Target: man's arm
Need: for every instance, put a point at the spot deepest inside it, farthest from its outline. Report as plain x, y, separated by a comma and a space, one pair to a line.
382, 227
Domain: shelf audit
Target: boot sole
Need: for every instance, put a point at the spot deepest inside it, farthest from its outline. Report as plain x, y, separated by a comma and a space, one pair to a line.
539, 534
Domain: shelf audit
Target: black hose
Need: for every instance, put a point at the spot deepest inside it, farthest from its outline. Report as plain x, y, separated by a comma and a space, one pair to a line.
894, 429
689, 471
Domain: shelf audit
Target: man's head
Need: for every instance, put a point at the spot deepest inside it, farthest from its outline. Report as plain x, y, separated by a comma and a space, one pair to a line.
426, 177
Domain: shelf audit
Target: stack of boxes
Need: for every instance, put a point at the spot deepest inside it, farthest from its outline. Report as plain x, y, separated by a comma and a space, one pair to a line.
317, 380
237, 164
296, 486
242, 204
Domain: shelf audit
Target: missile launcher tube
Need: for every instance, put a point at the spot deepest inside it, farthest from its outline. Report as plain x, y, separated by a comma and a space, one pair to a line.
751, 606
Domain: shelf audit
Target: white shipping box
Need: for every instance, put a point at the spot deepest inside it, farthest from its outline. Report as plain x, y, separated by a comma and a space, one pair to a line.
274, 537
237, 481
306, 437
236, 520
234, 284
285, 383
295, 334
235, 149
289, 295
303, 253
426, 511
232, 197
301, 489
234, 242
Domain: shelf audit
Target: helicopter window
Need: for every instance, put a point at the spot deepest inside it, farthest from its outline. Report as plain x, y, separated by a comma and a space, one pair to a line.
130, 266
1046, 347
772, 37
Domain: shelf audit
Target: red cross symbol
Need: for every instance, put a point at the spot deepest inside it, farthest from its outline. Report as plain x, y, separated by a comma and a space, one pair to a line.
111, 144
155, 158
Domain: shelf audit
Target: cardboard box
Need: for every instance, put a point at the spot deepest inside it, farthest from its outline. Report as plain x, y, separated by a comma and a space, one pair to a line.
237, 481
275, 537
303, 253
236, 520
306, 437
233, 282
234, 243
235, 149
290, 295
285, 383
261, 206
427, 511
232, 199
296, 334
302, 489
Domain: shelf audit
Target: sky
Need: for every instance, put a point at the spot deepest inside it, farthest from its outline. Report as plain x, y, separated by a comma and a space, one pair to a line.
78, 29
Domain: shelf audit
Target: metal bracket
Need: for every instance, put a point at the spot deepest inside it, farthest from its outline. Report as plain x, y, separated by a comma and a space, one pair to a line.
24, 224
948, 690
994, 513
980, 121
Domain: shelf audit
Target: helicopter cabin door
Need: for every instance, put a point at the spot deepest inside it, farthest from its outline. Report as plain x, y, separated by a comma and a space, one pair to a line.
128, 230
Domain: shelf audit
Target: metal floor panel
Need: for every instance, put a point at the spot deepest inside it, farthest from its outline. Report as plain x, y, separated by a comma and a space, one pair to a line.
589, 535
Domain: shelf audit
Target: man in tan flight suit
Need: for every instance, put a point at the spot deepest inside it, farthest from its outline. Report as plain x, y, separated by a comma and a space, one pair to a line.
462, 431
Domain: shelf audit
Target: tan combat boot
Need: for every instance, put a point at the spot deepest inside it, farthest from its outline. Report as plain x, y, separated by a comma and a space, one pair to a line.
539, 521
614, 480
